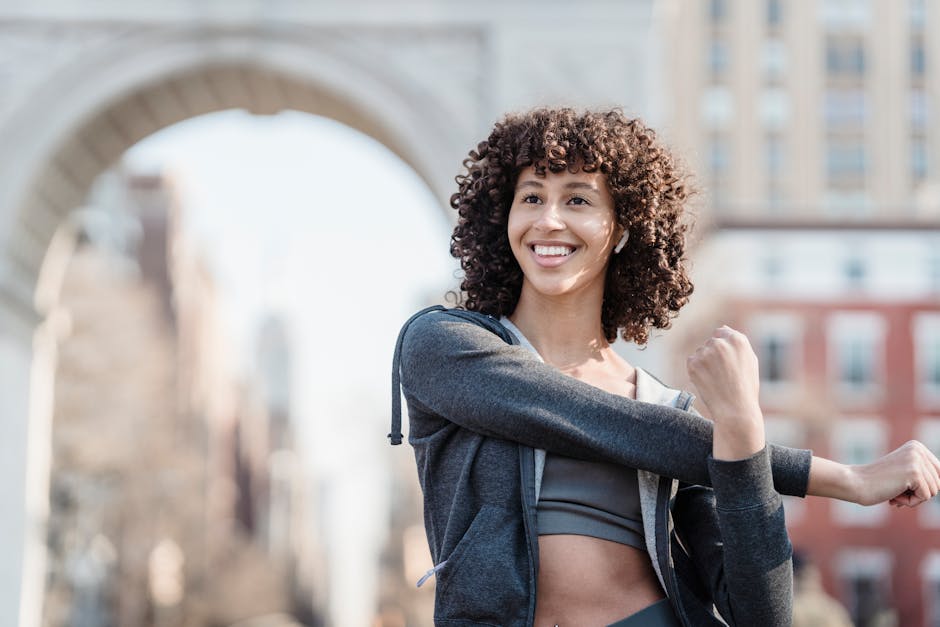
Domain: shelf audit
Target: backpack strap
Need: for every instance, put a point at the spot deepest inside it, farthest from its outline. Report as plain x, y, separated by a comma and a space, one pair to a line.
394, 435
484, 320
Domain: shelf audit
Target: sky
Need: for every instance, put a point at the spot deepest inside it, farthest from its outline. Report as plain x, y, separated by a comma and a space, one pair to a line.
312, 220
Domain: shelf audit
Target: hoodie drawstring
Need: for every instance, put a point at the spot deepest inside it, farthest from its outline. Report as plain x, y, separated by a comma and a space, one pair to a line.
394, 435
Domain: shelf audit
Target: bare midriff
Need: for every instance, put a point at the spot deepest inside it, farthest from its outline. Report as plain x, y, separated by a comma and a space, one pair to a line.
585, 581
590, 582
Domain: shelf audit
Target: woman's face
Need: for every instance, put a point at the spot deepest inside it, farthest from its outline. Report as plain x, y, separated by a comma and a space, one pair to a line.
562, 230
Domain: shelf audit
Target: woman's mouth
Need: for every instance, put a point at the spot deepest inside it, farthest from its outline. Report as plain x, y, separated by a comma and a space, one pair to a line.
551, 255
552, 251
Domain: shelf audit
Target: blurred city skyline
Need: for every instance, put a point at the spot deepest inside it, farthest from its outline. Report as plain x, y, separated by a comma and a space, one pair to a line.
309, 219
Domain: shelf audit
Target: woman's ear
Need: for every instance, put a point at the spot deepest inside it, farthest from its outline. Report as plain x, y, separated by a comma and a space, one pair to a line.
622, 242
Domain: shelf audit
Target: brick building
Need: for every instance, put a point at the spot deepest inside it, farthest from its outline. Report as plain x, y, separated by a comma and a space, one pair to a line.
846, 323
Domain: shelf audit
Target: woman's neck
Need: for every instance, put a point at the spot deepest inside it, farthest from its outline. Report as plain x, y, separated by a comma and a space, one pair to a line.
566, 332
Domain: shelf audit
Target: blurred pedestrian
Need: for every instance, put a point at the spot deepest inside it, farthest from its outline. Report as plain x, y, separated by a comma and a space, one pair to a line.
812, 606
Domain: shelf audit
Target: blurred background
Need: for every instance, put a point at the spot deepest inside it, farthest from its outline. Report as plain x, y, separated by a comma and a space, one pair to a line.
214, 216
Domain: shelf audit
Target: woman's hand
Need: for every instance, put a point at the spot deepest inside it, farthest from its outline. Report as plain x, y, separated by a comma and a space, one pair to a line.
909, 475
725, 373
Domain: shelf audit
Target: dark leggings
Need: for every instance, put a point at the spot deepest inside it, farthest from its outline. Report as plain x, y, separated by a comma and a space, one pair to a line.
658, 614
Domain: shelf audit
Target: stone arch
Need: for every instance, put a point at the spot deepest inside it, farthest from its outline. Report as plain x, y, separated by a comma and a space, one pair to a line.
111, 105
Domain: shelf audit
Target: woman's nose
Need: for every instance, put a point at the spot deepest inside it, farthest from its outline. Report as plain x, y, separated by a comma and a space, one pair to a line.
549, 218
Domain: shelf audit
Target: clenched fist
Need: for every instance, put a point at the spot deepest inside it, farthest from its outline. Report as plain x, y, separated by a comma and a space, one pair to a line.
724, 371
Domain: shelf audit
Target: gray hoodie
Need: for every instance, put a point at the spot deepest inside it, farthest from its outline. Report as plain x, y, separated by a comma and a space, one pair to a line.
480, 406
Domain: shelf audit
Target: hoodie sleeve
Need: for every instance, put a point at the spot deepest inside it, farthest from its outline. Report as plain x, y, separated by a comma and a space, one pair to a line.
736, 538
465, 374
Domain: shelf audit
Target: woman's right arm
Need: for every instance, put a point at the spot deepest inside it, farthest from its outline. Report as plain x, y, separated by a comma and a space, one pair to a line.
725, 373
466, 374
905, 477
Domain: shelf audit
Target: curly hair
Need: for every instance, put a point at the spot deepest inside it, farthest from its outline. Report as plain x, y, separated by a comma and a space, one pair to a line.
647, 283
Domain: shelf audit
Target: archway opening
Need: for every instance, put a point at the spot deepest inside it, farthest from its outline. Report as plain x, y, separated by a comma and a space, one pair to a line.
234, 287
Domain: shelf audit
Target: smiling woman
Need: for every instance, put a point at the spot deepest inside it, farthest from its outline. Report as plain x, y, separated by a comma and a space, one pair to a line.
611, 160
566, 223
551, 496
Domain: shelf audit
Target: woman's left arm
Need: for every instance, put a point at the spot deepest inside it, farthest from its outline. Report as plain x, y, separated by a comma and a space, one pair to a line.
753, 583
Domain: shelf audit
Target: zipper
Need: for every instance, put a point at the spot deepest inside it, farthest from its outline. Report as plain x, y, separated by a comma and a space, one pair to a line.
683, 402
527, 489
663, 497
663, 539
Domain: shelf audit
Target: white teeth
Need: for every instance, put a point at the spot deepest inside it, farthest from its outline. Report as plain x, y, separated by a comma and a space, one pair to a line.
553, 251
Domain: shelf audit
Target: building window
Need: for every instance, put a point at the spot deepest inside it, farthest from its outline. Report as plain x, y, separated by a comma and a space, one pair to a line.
865, 575
845, 57
772, 267
719, 157
846, 160
717, 107
845, 108
774, 13
926, 328
775, 163
774, 156
774, 351
918, 58
718, 56
774, 59
858, 441
774, 108
918, 159
855, 347
930, 573
717, 10
917, 11
918, 109
855, 272
719, 164
857, 361
777, 338
845, 15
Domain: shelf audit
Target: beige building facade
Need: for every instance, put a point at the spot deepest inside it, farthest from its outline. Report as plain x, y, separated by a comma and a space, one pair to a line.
795, 111
810, 127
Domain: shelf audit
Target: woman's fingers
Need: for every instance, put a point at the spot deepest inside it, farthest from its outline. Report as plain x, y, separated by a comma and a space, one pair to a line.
920, 475
906, 500
920, 485
930, 479
929, 471
932, 459
926, 476
724, 371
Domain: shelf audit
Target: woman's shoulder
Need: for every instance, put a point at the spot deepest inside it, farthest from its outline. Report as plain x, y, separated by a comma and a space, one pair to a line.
442, 322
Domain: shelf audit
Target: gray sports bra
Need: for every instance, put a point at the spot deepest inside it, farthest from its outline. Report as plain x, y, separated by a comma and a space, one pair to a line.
596, 499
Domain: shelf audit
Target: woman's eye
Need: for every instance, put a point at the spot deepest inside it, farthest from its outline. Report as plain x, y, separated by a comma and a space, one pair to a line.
577, 200
531, 198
